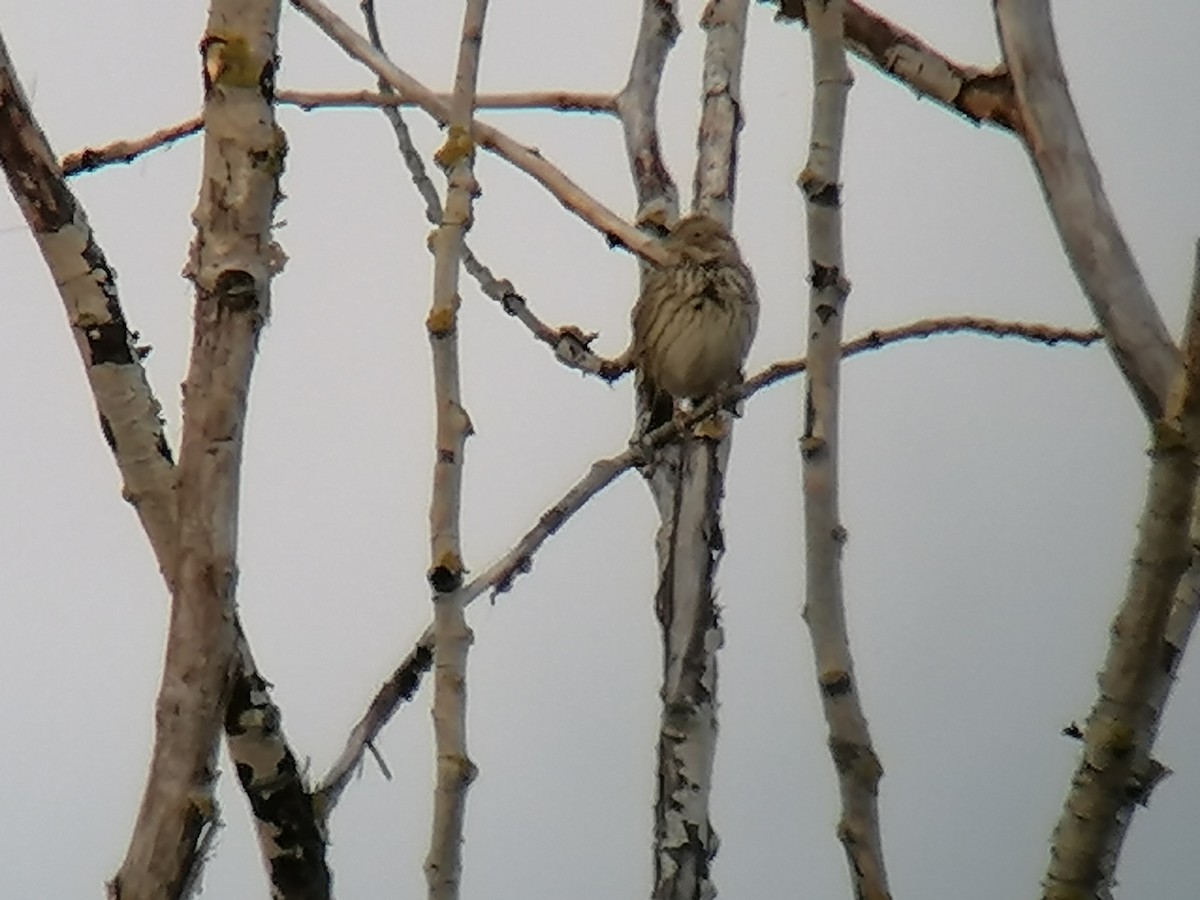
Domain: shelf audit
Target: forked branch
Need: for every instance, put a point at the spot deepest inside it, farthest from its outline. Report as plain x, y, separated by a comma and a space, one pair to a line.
1137, 338
616, 230
500, 576
982, 95
1148, 637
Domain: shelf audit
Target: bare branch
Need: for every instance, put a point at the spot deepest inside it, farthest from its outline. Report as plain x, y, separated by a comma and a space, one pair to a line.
858, 768
125, 151
232, 262
658, 198
1148, 637
400, 688
616, 230
500, 576
982, 95
556, 101
452, 637
290, 833
1185, 607
91, 158
688, 482
714, 183
1095, 246
570, 345
129, 413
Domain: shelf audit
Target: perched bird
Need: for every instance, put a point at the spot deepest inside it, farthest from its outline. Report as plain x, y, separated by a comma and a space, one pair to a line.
694, 320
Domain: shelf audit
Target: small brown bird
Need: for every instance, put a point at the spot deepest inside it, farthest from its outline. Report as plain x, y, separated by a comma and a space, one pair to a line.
695, 318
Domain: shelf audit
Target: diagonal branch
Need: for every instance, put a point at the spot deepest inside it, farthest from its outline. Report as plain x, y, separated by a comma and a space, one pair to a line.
570, 345
130, 414
1107, 272
858, 767
91, 158
979, 94
130, 419
1148, 638
500, 576
616, 230
291, 833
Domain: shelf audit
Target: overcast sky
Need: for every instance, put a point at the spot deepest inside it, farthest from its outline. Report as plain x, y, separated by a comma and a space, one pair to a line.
990, 488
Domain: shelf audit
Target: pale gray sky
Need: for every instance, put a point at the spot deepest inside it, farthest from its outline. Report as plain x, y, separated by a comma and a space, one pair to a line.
990, 488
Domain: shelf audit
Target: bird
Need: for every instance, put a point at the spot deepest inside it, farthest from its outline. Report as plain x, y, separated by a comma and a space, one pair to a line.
694, 319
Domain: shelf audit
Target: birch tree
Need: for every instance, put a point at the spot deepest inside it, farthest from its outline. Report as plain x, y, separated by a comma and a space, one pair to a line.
184, 481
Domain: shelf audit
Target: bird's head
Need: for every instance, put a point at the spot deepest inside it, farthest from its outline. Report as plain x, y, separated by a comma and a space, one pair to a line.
703, 239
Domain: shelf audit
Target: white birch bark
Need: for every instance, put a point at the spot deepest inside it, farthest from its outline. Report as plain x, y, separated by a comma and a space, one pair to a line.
131, 422
854, 758
232, 261
1095, 246
1148, 638
981, 95
130, 414
288, 820
687, 481
451, 636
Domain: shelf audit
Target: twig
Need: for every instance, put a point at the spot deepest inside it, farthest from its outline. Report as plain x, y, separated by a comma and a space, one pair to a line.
982, 95
232, 262
570, 344
616, 230
400, 688
452, 637
500, 576
1148, 637
556, 101
1103, 263
91, 158
858, 767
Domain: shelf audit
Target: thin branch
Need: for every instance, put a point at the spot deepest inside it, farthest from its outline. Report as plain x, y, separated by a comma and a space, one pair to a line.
982, 95
570, 344
1107, 272
399, 688
616, 230
232, 261
854, 758
1148, 637
452, 637
124, 151
500, 576
556, 101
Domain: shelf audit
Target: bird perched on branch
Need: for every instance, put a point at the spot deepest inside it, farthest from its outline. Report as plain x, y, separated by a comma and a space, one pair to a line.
694, 320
